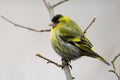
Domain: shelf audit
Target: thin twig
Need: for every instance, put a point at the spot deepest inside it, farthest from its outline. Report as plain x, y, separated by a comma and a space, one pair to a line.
63, 66
49, 8
113, 61
17, 25
114, 67
59, 3
94, 18
115, 74
49, 61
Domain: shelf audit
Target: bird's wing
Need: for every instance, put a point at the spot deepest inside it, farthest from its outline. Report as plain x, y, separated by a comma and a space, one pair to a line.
79, 41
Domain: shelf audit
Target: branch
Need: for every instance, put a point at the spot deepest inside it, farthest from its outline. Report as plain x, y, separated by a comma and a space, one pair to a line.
59, 3
113, 61
17, 25
51, 7
114, 67
51, 12
115, 73
64, 66
67, 71
94, 18
48, 60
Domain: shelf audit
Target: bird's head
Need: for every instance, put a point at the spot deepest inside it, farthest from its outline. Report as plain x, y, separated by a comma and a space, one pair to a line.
60, 19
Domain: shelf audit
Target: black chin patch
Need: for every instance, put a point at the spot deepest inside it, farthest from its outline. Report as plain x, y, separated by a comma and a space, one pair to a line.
56, 18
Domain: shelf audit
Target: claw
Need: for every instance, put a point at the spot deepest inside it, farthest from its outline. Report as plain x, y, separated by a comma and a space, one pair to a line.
66, 63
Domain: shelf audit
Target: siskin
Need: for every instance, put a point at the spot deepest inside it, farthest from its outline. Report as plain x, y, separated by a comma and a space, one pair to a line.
69, 41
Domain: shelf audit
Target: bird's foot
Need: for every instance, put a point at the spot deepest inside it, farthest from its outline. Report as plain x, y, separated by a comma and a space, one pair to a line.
66, 63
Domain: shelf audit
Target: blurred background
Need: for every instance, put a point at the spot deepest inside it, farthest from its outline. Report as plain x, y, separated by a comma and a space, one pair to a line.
18, 46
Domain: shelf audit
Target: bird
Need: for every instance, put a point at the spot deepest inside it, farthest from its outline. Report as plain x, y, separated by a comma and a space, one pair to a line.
69, 41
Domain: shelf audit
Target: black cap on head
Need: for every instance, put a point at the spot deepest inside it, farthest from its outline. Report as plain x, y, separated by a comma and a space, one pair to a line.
56, 18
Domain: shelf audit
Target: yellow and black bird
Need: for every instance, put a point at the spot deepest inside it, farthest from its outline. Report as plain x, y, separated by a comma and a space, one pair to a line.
69, 41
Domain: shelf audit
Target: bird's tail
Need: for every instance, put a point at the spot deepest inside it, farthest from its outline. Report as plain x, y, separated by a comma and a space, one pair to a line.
95, 55
101, 59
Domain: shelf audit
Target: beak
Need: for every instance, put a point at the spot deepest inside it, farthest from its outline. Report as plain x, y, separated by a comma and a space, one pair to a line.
52, 24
